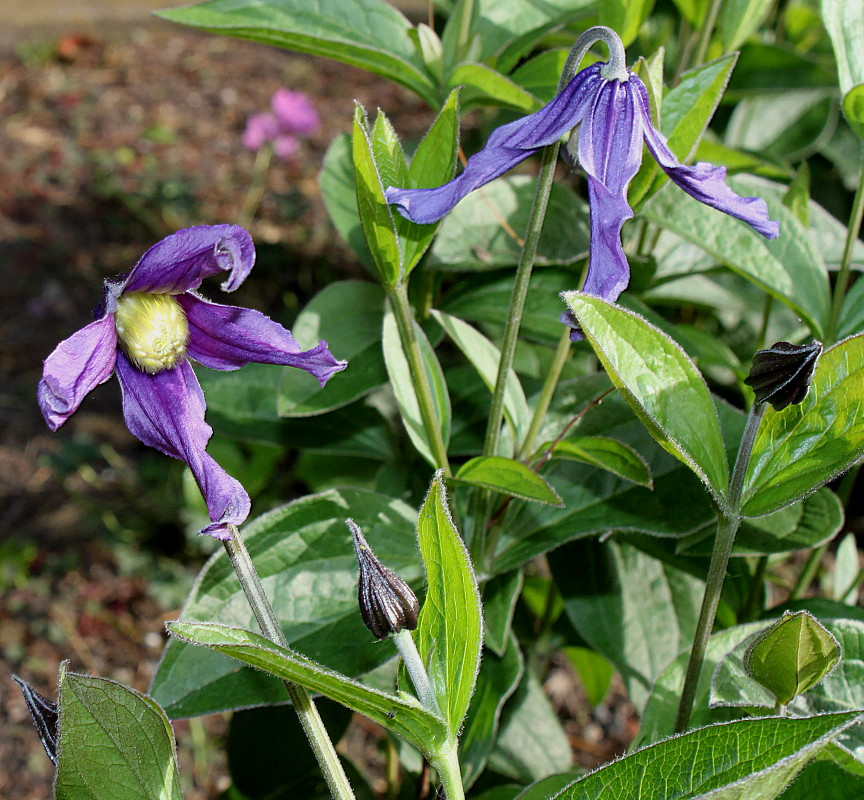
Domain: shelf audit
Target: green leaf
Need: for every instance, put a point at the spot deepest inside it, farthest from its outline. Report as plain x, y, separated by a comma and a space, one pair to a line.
499, 602
114, 742
806, 445
541, 74
789, 268
449, 631
303, 555
625, 17
595, 672
403, 715
825, 780
605, 453
379, 225
497, 680
484, 230
845, 24
852, 315
507, 476
484, 86
844, 579
739, 20
347, 315
369, 34
660, 383
403, 386
636, 611
728, 761
791, 656
484, 357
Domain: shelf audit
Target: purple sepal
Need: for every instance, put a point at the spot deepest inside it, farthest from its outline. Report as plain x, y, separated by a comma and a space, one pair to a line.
77, 366
569, 319
182, 260
507, 146
227, 338
166, 412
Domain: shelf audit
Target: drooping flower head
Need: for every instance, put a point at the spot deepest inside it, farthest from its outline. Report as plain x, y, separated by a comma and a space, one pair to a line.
150, 324
609, 104
292, 115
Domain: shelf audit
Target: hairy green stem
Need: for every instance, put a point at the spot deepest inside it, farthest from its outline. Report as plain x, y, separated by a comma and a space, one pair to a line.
727, 527
419, 379
416, 670
314, 728
842, 284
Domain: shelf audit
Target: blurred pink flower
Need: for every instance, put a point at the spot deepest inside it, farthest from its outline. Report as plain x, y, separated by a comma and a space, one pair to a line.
292, 115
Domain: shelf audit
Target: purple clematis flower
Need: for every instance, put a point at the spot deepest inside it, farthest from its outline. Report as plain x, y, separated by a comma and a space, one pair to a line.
150, 324
609, 104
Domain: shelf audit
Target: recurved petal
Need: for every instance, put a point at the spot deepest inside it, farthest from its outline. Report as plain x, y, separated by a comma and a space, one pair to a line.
228, 337
507, 146
166, 412
182, 260
704, 181
76, 367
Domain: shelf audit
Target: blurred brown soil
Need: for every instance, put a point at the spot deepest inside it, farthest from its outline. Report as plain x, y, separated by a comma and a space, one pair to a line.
108, 143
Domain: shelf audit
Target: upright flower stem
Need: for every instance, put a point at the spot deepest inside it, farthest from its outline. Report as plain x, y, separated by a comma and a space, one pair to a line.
314, 728
420, 380
845, 263
706, 31
727, 527
256, 189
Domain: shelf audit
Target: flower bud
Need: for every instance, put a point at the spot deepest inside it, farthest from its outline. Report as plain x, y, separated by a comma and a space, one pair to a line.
387, 603
44, 714
781, 374
152, 329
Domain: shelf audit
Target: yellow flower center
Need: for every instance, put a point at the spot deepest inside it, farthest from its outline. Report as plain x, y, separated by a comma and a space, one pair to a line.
152, 330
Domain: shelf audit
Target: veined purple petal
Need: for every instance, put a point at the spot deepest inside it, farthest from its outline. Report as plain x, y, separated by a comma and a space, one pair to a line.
507, 146
76, 367
182, 260
704, 181
166, 412
227, 337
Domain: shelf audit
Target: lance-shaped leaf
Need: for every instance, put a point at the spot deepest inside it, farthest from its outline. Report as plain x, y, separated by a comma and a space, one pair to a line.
403, 715
114, 742
803, 446
792, 655
660, 383
507, 476
749, 758
450, 630
604, 452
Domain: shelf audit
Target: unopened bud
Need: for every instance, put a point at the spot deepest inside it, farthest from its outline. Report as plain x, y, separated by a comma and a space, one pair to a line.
781, 374
44, 714
387, 604
152, 330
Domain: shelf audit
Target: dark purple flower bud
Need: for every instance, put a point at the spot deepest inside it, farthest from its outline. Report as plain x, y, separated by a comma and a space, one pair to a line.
781, 374
387, 603
45, 717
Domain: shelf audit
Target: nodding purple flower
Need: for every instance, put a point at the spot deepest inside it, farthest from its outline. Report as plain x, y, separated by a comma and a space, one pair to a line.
292, 115
609, 105
150, 324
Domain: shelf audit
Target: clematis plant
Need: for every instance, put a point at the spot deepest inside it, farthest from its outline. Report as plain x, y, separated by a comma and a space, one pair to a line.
150, 323
609, 106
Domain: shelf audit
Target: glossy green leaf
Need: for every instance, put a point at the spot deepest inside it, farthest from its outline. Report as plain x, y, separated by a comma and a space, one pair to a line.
114, 742
400, 379
484, 230
844, 21
309, 571
789, 268
624, 17
347, 315
660, 383
595, 672
449, 631
805, 445
636, 611
601, 451
499, 602
482, 85
370, 34
739, 20
791, 656
497, 680
403, 714
507, 476
484, 356
379, 224
739, 760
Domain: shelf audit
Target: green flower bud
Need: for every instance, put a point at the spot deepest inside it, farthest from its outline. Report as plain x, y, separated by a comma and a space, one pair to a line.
152, 329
